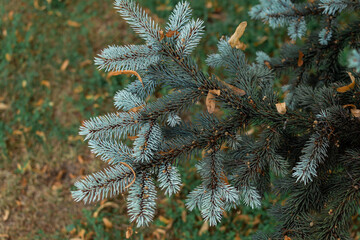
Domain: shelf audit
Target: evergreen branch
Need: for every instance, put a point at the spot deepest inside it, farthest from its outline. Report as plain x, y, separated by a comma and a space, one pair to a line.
190, 37
141, 200
131, 57
114, 125
169, 178
111, 151
148, 142
139, 21
126, 101
112, 181
180, 16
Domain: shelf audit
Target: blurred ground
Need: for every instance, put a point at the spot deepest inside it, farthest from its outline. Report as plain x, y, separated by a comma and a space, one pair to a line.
49, 85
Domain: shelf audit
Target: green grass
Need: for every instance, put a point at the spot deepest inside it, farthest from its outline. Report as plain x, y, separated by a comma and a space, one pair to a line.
44, 100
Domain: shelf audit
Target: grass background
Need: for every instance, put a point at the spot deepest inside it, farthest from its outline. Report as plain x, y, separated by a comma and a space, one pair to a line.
49, 85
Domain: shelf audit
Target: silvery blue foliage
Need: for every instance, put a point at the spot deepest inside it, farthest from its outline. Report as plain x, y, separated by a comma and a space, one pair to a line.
190, 37
261, 57
112, 125
139, 20
147, 142
354, 60
325, 36
214, 194
313, 154
169, 179
173, 120
251, 196
125, 100
131, 57
332, 7
179, 17
111, 151
297, 28
141, 200
103, 184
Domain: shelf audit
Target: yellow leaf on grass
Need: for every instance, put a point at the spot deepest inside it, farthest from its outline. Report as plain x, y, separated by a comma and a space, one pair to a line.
129, 232
204, 228
37, 6
45, 83
210, 101
355, 112
281, 108
6, 215
64, 65
164, 219
107, 204
107, 223
234, 41
8, 57
73, 24
3, 106
348, 87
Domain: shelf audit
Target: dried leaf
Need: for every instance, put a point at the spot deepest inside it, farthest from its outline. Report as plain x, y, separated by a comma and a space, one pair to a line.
287, 238
267, 64
6, 215
238, 91
73, 24
45, 83
3, 106
349, 105
136, 109
210, 101
81, 234
132, 138
64, 65
162, 36
355, 112
183, 215
129, 232
281, 108
171, 33
107, 204
8, 57
164, 219
37, 6
107, 223
261, 41
348, 87
110, 74
234, 41
204, 228
300, 60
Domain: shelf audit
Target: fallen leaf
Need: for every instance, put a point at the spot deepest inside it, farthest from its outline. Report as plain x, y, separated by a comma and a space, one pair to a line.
3, 106
6, 236
234, 40
171, 33
261, 41
281, 108
40, 134
85, 63
287, 238
6, 215
81, 234
110, 74
348, 87
204, 228
183, 216
64, 65
37, 6
210, 101
8, 57
107, 223
107, 204
349, 105
164, 219
129, 232
267, 63
45, 83
300, 60
132, 138
355, 112
73, 24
